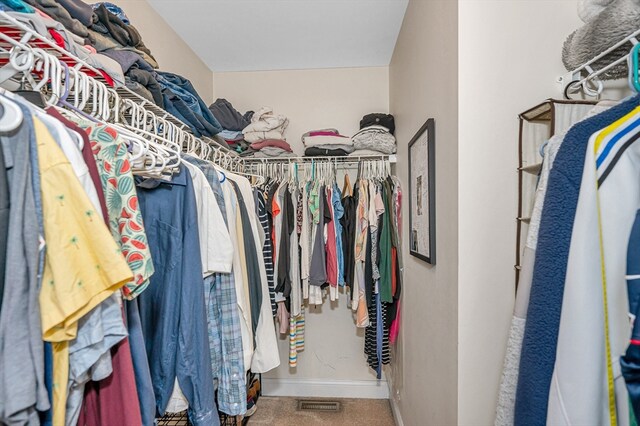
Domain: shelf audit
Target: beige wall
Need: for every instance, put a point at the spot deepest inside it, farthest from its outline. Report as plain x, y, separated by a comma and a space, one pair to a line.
509, 58
171, 52
314, 99
423, 83
311, 99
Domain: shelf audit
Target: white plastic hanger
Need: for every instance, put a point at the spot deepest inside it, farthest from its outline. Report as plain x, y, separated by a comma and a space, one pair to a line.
11, 117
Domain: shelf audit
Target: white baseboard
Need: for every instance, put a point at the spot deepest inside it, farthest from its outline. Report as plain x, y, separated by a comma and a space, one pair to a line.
394, 407
370, 389
396, 412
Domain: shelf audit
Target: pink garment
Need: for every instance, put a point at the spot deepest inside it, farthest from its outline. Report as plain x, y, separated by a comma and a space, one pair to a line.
324, 133
90, 48
394, 330
399, 211
283, 318
41, 13
114, 400
395, 327
275, 143
331, 247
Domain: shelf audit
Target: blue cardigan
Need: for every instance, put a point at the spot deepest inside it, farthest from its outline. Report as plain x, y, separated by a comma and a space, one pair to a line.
554, 239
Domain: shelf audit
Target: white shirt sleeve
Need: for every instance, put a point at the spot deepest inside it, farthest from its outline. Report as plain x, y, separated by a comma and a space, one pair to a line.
220, 257
216, 249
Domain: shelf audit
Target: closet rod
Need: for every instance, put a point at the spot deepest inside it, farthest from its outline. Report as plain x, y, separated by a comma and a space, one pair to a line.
321, 159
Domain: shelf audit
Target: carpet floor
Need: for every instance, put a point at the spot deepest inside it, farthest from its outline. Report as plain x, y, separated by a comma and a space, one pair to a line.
280, 411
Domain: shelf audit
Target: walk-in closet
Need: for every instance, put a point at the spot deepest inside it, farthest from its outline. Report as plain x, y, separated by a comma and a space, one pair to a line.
357, 212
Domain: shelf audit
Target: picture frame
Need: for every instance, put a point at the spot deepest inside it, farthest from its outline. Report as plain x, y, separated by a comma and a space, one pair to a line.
422, 197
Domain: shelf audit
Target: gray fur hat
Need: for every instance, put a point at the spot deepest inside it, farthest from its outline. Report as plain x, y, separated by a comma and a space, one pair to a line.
607, 23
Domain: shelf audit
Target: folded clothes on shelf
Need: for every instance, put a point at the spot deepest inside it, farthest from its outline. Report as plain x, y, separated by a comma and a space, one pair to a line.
230, 118
269, 152
265, 124
328, 151
379, 119
375, 138
275, 143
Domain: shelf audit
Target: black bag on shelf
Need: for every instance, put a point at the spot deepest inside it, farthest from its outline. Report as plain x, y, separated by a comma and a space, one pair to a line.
379, 119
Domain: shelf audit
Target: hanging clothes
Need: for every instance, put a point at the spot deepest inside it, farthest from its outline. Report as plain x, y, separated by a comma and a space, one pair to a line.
225, 336
331, 254
319, 229
265, 357
305, 241
571, 326
267, 250
20, 323
509, 381
283, 283
543, 317
607, 204
348, 221
68, 207
92, 359
338, 213
294, 253
362, 239
167, 325
155, 291
317, 205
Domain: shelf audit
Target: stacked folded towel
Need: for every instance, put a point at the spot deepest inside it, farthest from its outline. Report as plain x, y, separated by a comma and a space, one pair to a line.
326, 142
265, 124
270, 148
375, 135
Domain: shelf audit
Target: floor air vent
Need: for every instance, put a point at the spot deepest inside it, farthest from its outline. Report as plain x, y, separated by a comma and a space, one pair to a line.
325, 406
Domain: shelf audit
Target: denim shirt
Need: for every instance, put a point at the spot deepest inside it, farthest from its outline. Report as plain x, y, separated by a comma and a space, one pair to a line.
172, 309
176, 106
185, 90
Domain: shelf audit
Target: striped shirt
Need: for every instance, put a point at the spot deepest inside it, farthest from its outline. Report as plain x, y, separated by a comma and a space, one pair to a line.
267, 249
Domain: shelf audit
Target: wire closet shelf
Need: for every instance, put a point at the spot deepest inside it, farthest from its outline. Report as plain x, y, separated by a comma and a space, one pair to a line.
586, 78
16, 36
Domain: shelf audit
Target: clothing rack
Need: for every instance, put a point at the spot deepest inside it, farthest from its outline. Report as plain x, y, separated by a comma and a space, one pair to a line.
248, 161
17, 38
15, 35
576, 80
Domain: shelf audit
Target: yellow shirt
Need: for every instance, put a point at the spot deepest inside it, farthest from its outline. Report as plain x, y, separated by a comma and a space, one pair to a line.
83, 263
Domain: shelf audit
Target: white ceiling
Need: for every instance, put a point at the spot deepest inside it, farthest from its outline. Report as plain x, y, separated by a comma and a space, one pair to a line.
251, 35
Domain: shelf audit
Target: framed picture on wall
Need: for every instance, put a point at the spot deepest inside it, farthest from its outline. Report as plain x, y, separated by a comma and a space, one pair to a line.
422, 197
